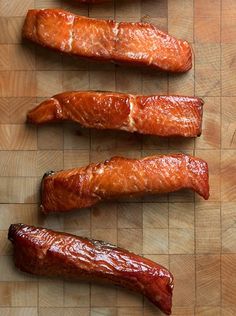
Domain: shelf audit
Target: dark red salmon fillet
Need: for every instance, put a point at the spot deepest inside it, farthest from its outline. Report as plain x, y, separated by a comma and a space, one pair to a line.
119, 177
155, 115
45, 252
132, 43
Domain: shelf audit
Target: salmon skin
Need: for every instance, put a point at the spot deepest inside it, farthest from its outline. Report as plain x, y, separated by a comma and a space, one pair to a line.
45, 252
154, 115
120, 177
123, 42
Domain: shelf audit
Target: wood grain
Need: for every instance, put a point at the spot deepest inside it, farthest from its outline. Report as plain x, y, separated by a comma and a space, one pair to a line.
194, 238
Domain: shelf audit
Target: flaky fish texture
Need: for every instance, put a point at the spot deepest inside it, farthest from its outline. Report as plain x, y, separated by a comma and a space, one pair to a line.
120, 42
122, 177
45, 252
154, 115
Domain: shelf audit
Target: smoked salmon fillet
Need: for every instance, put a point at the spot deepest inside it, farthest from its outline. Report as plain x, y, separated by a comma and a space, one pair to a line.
121, 177
49, 253
155, 115
119, 42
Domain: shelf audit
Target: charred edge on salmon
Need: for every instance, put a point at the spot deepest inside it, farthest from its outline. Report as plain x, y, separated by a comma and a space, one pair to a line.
12, 231
46, 174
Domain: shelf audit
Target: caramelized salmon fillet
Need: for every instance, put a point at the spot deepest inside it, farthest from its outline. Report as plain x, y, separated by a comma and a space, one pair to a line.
121, 177
154, 115
53, 254
130, 43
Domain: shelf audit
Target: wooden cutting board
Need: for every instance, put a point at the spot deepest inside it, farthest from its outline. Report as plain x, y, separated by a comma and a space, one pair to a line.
196, 239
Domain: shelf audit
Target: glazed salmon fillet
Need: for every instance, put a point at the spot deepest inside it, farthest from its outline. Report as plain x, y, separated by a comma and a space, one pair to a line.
53, 254
129, 43
122, 177
154, 115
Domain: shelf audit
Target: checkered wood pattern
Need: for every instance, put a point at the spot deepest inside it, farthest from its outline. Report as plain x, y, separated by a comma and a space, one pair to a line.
194, 238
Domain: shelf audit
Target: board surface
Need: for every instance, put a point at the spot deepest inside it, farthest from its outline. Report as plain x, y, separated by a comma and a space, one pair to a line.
196, 239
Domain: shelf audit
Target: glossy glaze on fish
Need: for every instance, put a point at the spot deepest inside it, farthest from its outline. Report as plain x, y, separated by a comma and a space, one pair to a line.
120, 42
155, 115
45, 252
120, 177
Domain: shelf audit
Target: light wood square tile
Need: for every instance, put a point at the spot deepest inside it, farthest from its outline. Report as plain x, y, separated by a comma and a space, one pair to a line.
99, 79
105, 11
181, 22
208, 311
41, 4
208, 233
181, 215
18, 213
228, 127
207, 60
51, 311
128, 80
129, 299
24, 294
130, 215
126, 9
83, 311
154, 8
208, 290
228, 69
20, 311
155, 241
183, 268
228, 170
104, 311
228, 21
207, 29
80, 219
15, 7
49, 83
75, 80
155, 215
18, 137
13, 110
103, 296
21, 57
19, 190
104, 216
132, 239
76, 294
228, 227
47, 60
76, 137
50, 293
75, 158
130, 311
154, 83
50, 137
182, 84
228, 267
181, 240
